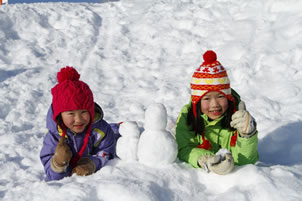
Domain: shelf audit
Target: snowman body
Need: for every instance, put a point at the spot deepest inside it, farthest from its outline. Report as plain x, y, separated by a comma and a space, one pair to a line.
126, 146
156, 145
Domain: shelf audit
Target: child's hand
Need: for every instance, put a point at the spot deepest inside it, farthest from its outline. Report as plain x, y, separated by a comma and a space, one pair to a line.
243, 121
85, 166
217, 163
62, 156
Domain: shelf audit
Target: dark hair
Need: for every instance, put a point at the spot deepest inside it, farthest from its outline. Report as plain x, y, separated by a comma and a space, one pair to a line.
60, 121
197, 124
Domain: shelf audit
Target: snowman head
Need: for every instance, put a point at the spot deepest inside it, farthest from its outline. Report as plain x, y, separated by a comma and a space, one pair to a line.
129, 129
156, 117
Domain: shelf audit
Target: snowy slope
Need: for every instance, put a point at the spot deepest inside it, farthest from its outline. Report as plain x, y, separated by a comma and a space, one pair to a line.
133, 53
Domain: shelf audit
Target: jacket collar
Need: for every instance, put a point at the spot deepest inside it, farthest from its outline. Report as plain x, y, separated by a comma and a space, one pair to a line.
208, 122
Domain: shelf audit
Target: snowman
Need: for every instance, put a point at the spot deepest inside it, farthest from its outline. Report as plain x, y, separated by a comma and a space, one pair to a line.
156, 145
126, 146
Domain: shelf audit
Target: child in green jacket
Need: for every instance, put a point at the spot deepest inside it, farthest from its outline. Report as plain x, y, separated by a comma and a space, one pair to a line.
215, 131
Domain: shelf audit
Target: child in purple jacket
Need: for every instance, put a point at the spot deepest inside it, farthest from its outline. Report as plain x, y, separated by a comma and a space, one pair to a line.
78, 141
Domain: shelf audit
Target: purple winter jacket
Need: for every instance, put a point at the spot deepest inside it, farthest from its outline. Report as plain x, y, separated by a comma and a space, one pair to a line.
100, 147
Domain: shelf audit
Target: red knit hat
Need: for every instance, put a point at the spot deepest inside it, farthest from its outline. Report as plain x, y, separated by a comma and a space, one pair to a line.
72, 94
210, 76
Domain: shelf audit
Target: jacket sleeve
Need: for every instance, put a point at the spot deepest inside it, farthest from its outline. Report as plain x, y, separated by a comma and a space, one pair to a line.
187, 141
246, 150
48, 149
104, 145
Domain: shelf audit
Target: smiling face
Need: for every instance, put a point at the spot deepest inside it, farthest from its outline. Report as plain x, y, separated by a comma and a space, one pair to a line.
76, 120
214, 104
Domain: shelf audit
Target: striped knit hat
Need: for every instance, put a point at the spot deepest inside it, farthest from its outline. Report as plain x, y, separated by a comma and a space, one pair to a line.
210, 76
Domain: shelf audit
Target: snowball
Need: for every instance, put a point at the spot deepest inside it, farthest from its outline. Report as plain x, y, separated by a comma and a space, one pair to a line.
222, 152
156, 117
126, 148
129, 128
156, 148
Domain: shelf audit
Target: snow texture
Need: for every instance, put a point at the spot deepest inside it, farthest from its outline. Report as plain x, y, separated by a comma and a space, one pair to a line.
134, 53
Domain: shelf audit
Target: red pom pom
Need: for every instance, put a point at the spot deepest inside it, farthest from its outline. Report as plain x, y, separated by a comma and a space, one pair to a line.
68, 73
209, 57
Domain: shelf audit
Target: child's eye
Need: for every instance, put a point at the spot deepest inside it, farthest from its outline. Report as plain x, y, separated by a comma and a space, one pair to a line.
85, 111
205, 98
69, 113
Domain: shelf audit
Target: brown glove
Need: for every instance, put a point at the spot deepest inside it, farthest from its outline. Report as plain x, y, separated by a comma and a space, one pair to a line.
62, 156
85, 166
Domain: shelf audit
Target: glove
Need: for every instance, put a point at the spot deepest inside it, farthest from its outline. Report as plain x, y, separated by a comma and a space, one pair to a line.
62, 156
217, 163
243, 122
85, 166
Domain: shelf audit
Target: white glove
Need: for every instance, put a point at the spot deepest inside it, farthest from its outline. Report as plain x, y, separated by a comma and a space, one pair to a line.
243, 122
217, 163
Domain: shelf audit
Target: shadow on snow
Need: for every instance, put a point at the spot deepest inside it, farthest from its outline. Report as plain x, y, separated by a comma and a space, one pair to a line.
283, 146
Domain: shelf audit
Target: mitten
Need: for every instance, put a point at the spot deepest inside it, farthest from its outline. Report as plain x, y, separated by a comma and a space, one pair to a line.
243, 122
217, 163
61, 157
85, 166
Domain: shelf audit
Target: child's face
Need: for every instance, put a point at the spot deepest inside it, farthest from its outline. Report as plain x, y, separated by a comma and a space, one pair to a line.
214, 104
76, 120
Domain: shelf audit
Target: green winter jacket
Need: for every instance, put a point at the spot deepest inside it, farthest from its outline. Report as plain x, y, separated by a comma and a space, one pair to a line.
244, 152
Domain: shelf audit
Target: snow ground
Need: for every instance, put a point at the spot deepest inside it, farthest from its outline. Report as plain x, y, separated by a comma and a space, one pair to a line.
133, 53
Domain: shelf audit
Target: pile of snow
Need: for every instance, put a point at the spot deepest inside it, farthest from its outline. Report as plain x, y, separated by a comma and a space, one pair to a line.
134, 53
